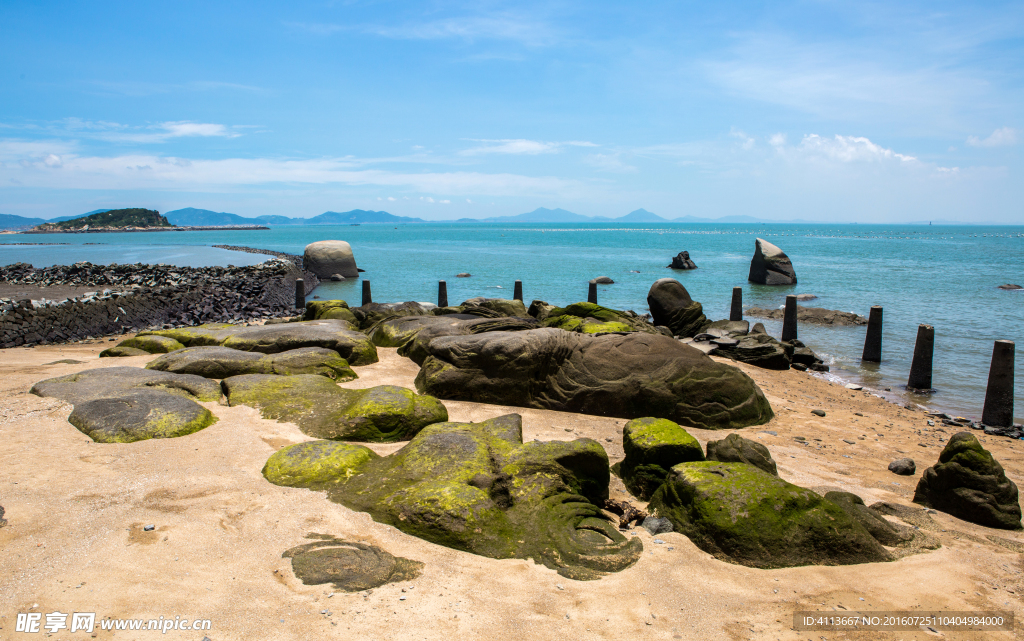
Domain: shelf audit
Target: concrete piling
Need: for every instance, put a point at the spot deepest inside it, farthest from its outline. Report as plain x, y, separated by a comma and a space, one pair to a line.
736, 313
921, 366
873, 339
592, 293
998, 410
300, 293
517, 292
367, 298
789, 319
442, 293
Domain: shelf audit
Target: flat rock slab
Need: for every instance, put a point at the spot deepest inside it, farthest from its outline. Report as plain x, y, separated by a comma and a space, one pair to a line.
477, 487
628, 376
323, 410
127, 404
224, 362
335, 334
744, 515
396, 332
349, 566
814, 315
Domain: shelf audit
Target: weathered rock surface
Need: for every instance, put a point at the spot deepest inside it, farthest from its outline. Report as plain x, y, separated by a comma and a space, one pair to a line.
326, 309
315, 464
882, 530
372, 314
741, 514
591, 318
653, 446
970, 484
682, 261
328, 257
541, 310
148, 344
815, 315
758, 349
736, 449
672, 307
628, 376
348, 566
504, 306
127, 404
477, 487
416, 349
903, 467
397, 331
223, 362
770, 265
117, 351
334, 334
321, 409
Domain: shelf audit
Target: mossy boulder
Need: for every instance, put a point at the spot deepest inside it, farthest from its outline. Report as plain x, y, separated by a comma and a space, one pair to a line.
502, 306
397, 331
970, 484
147, 343
328, 309
741, 514
628, 376
591, 318
736, 449
416, 348
127, 404
117, 351
540, 309
672, 307
223, 362
321, 409
335, 334
653, 446
371, 314
877, 526
477, 487
315, 464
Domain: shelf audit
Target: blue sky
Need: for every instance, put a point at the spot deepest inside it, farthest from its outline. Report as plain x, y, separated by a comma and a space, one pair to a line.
868, 112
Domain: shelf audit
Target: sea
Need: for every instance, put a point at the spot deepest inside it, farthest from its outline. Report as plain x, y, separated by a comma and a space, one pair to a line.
945, 276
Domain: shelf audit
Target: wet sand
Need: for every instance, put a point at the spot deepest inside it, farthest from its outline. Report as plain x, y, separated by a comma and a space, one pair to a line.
76, 511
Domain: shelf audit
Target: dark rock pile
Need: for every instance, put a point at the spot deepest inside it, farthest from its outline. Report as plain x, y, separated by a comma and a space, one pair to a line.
134, 297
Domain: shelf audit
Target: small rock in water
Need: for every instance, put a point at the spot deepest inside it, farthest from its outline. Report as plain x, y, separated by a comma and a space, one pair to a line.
903, 467
1010, 286
463, 275
149, 528
805, 296
818, 412
603, 280
337, 277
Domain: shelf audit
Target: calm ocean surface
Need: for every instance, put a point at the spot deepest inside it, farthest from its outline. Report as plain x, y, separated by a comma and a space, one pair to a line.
946, 276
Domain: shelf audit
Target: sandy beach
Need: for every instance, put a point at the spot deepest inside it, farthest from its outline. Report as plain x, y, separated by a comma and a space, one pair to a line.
76, 511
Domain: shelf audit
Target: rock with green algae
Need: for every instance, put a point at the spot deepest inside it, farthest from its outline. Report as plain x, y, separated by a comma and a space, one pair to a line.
347, 565
143, 344
127, 404
477, 487
540, 309
672, 307
591, 318
416, 348
736, 449
653, 446
335, 334
315, 464
223, 362
877, 526
321, 409
628, 376
970, 484
328, 309
503, 306
397, 331
743, 515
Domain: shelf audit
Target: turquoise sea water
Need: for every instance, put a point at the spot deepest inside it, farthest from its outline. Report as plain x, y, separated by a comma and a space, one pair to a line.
946, 276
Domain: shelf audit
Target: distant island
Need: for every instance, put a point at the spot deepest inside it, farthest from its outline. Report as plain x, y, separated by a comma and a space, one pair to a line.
134, 218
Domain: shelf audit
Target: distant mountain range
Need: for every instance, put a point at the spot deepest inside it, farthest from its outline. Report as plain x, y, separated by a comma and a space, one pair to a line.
202, 217
544, 215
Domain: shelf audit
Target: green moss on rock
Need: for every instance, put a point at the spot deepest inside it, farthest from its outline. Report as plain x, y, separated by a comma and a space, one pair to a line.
152, 344
318, 309
653, 446
316, 464
224, 362
744, 515
119, 351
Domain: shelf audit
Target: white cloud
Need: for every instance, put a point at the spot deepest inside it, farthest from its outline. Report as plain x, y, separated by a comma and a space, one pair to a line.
52, 161
521, 146
391, 199
1003, 137
610, 163
445, 202
777, 140
849, 149
746, 141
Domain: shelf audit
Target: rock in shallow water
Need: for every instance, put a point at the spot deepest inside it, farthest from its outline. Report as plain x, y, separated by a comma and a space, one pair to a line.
477, 487
328, 257
628, 376
770, 265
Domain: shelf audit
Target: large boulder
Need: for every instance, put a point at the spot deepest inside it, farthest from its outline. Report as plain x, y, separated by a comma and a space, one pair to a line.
128, 404
591, 318
653, 446
327, 309
321, 409
223, 362
672, 307
625, 375
477, 487
416, 349
742, 514
328, 257
682, 261
370, 315
143, 344
334, 334
770, 265
736, 449
399, 330
315, 464
970, 484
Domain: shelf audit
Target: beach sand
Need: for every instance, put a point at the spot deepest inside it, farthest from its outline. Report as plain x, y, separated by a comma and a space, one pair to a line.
76, 511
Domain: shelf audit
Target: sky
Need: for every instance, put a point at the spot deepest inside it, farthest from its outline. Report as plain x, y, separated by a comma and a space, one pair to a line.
870, 112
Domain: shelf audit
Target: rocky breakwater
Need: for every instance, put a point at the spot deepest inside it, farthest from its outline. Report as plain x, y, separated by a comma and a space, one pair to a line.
813, 315
134, 297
